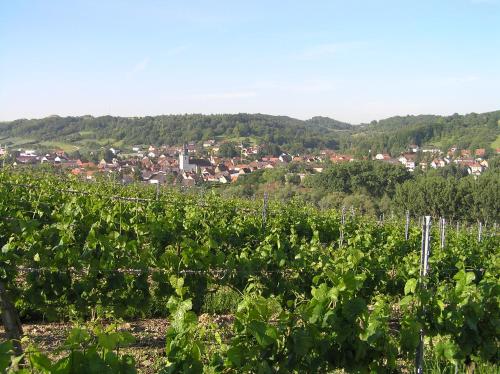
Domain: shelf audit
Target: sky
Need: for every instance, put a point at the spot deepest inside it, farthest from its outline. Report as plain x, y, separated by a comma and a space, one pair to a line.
352, 60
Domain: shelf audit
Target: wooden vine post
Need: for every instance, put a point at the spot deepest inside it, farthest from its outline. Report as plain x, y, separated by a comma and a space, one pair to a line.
10, 320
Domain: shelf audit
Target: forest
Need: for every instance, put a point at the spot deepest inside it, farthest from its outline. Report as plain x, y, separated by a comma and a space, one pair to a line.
390, 135
377, 188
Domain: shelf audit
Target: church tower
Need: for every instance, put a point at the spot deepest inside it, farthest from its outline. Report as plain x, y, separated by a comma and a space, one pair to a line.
184, 159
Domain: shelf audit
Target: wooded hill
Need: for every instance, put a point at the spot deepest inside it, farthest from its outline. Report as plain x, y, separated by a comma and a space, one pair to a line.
294, 135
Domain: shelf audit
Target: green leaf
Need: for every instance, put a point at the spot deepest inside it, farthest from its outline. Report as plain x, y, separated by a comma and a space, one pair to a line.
260, 331
410, 286
77, 337
40, 362
109, 341
446, 350
302, 342
6, 351
235, 356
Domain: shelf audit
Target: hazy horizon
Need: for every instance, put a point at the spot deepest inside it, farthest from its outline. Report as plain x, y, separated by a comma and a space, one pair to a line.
352, 61
255, 113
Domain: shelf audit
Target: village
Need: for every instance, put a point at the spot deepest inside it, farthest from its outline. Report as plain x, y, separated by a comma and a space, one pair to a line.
194, 163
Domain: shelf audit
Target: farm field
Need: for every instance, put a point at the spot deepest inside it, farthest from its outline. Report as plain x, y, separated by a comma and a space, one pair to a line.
241, 285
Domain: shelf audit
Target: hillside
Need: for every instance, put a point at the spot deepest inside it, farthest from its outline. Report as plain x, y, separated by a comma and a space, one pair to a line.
294, 135
290, 133
395, 133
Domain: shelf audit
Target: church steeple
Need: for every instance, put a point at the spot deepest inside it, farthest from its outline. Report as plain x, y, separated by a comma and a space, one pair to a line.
184, 159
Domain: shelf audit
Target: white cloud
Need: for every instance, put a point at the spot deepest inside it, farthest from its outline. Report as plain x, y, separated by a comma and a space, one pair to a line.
462, 79
140, 65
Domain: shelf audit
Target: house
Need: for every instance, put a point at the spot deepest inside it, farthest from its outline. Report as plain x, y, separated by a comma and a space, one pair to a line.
200, 162
285, 158
414, 148
146, 175
221, 168
340, 158
465, 161
408, 160
158, 178
438, 163
249, 151
146, 163
382, 156
245, 170
431, 149
480, 152
28, 153
241, 166
208, 143
475, 169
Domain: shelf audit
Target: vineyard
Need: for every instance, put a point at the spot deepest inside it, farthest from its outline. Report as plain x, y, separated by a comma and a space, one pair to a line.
302, 290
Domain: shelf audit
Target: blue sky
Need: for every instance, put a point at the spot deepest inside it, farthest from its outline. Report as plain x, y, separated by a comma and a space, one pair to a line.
351, 60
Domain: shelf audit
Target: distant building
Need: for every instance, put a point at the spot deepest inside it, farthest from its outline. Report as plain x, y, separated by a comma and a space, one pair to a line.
208, 143
408, 160
475, 169
184, 161
382, 156
431, 149
414, 148
480, 152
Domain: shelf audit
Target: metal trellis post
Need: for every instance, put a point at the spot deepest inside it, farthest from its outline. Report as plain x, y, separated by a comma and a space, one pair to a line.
264, 210
407, 225
442, 225
424, 265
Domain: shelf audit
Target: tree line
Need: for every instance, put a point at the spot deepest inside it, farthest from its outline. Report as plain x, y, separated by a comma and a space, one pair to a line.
390, 135
373, 188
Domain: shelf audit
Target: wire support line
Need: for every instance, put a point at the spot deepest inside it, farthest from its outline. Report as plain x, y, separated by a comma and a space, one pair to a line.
220, 271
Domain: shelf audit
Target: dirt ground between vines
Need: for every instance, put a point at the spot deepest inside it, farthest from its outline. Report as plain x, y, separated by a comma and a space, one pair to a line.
148, 348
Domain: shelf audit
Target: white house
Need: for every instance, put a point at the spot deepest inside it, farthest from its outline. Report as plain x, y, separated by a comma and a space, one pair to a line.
413, 148
431, 149
475, 169
438, 163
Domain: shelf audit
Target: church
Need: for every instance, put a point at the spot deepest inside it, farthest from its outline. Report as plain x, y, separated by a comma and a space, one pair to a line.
184, 161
